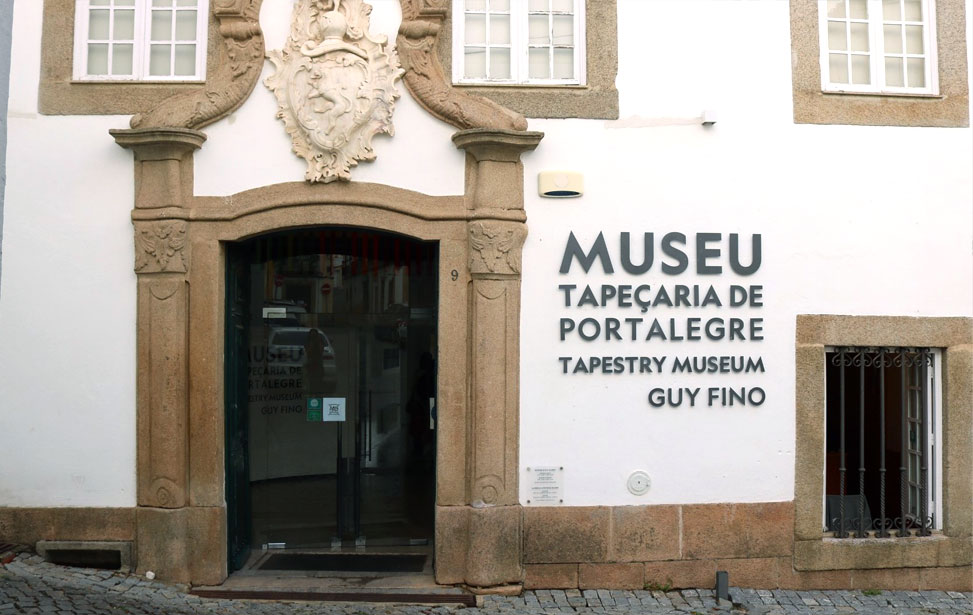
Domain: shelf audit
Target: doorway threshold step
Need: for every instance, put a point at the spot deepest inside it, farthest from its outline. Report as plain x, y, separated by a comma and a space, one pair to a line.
439, 595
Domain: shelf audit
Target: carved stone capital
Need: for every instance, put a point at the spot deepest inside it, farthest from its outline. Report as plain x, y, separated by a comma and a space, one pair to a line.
163, 164
160, 247
494, 173
496, 145
162, 143
422, 21
496, 247
231, 77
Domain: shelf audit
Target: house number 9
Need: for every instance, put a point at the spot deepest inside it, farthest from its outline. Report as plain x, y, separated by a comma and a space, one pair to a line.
454, 274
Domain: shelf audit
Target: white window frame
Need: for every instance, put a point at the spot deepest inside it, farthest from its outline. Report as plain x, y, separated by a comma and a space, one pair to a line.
141, 45
934, 443
876, 53
519, 46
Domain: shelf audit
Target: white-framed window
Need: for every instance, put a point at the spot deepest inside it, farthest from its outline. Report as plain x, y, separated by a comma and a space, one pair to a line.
518, 42
883, 444
140, 40
878, 46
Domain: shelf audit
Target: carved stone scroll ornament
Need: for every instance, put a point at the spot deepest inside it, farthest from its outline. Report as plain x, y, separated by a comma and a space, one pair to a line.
496, 248
425, 78
160, 247
335, 86
232, 76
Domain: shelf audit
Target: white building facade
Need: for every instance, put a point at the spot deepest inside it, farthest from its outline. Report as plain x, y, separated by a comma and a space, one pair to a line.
744, 342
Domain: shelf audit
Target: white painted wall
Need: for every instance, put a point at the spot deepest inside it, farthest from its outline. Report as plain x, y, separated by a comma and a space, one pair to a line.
854, 220
67, 313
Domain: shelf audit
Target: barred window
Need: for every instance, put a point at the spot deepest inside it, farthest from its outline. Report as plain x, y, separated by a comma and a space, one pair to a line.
882, 455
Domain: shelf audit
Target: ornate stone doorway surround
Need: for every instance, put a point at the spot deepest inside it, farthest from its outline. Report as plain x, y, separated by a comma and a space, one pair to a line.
180, 263
180, 259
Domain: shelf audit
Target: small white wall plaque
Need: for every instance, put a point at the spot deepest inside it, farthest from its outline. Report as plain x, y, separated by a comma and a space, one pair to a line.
545, 485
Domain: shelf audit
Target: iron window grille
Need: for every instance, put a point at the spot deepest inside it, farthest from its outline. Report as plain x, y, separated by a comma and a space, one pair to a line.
881, 452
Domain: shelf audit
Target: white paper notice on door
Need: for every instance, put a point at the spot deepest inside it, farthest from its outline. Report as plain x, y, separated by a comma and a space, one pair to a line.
333, 409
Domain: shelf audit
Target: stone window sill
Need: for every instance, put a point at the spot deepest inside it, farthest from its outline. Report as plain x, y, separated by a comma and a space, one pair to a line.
933, 551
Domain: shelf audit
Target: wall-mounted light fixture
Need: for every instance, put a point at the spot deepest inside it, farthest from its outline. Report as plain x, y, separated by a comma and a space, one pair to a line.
560, 184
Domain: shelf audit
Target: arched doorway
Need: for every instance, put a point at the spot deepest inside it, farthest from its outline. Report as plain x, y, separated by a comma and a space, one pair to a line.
331, 346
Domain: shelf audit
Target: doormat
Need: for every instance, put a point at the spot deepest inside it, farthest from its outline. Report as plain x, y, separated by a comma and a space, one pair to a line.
345, 562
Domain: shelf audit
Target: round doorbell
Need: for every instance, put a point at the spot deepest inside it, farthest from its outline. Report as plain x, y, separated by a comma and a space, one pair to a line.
639, 483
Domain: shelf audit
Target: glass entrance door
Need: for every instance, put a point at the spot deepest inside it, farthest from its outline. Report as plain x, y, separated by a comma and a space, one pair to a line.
334, 443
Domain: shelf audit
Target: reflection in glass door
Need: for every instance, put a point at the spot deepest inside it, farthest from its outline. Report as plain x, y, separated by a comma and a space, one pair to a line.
337, 431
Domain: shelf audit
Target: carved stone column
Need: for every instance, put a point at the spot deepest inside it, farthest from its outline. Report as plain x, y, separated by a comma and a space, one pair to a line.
494, 191
170, 535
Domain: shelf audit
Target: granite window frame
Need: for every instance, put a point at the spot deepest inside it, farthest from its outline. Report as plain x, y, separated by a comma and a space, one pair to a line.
59, 93
596, 99
813, 105
952, 546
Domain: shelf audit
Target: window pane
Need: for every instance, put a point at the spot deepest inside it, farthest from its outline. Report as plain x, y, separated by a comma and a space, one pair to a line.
838, 68
859, 9
499, 5
475, 5
917, 72
474, 63
836, 36
124, 3
500, 63
185, 64
185, 2
98, 25
893, 39
124, 25
161, 25
500, 29
161, 2
564, 30
564, 63
99, 2
121, 59
537, 5
859, 37
893, 72
186, 25
539, 63
565, 6
860, 72
836, 8
159, 60
98, 59
539, 30
891, 10
475, 29
913, 39
913, 10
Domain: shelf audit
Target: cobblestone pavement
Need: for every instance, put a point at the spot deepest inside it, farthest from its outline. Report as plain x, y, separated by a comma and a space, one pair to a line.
30, 585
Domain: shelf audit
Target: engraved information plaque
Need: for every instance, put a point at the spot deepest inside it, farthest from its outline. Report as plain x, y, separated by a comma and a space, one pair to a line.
545, 485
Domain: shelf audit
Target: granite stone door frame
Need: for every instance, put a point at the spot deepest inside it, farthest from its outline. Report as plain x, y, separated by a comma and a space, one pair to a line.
181, 239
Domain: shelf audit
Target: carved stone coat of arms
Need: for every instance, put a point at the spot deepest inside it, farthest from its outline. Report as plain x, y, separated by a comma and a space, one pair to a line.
335, 86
